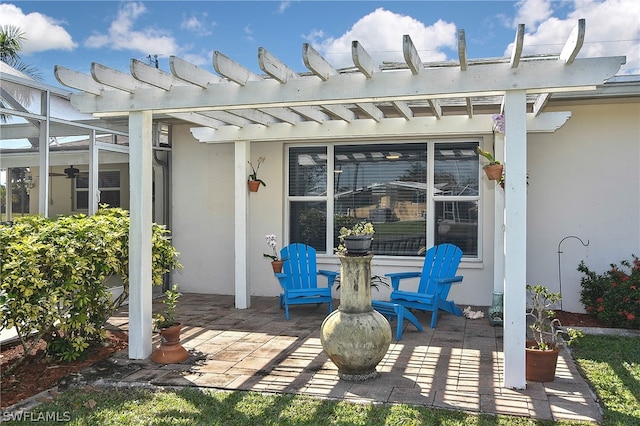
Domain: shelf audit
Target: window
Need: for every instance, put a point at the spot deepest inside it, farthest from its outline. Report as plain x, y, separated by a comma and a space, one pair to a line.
416, 194
108, 185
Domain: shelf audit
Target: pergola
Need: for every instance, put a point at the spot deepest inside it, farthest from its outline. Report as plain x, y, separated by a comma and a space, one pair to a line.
393, 100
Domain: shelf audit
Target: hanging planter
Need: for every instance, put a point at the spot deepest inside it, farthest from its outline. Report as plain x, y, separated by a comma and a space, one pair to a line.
254, 181
254, 185
494, 171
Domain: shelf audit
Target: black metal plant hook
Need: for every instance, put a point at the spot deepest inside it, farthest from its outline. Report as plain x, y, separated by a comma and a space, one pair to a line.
559, 253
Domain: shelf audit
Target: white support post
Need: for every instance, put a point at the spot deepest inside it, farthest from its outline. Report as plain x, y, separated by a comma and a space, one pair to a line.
140, 165
498, 222
243, 294
43, 181
94, 195
515, 298
9, 195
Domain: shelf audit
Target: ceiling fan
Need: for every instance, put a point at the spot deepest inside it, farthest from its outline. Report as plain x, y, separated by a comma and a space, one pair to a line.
70, 172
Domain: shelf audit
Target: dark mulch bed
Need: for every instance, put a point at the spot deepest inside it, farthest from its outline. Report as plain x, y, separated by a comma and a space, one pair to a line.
37, 374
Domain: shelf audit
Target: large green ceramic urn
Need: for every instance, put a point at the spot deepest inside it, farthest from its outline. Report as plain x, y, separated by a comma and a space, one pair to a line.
355, 336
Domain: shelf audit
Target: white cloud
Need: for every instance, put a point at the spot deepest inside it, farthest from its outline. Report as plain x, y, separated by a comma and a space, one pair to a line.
380, 33
122, 36
41, 32
284, 5
197, 25
532, 12
612, 29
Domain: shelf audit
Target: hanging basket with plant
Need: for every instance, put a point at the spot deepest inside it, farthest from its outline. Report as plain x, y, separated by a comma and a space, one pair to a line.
253, 181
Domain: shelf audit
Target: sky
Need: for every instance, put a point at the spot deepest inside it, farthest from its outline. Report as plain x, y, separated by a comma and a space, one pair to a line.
76, 33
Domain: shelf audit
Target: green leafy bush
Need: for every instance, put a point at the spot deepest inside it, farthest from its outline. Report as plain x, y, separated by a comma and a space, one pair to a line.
614, 296
53, 274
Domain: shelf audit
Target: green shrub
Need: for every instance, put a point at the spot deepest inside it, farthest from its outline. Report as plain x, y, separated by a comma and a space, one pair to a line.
53, 274
614, 296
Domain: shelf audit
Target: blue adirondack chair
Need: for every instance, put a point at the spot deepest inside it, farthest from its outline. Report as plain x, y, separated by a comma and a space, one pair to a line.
438, 274
299, 278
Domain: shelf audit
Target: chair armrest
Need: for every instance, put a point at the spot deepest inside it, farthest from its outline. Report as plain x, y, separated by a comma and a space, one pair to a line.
331, 276
282, 279
397, 276
450, 280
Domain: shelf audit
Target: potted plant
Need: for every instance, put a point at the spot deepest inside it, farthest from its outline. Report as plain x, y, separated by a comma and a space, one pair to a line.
357, 239
542, 351
276, 261
170, 350
254, 182
494, 169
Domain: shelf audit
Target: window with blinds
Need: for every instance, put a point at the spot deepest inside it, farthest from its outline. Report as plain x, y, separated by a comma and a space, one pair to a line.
108, 185
415, 194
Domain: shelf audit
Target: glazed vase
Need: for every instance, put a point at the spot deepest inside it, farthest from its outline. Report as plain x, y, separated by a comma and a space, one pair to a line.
355, 336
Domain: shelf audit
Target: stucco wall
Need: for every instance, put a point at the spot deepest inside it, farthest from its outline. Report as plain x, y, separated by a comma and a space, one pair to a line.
584, 181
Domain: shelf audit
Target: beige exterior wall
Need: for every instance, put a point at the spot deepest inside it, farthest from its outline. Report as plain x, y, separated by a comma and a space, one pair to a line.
584, 181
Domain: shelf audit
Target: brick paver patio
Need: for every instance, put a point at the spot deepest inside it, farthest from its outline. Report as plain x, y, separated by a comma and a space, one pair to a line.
458, 365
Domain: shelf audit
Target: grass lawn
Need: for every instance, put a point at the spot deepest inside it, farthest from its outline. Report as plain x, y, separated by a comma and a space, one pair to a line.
611, 364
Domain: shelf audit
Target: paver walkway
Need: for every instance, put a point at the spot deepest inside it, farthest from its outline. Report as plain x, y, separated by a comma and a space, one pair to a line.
458, 365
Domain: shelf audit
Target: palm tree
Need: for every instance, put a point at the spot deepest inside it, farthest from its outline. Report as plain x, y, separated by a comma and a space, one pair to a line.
11, 38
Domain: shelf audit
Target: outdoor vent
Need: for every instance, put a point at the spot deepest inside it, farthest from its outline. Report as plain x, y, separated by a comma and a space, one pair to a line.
71, 172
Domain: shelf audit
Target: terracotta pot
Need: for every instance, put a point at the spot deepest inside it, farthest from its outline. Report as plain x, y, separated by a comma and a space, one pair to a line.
358, 244
254, 185
170, 350
277, 266
540, 366
494, 171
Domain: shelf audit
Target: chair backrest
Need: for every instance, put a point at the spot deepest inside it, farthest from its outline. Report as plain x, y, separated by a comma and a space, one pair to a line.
300, 266
440, 261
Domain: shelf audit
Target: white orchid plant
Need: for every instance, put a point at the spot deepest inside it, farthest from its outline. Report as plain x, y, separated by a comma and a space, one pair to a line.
272, 242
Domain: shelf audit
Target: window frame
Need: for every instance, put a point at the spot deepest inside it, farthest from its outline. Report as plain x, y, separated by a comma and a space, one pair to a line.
432, 199
76, 190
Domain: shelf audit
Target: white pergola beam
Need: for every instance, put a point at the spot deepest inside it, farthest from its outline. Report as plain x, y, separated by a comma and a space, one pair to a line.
574, 43
192, 73
371, 111
462, 50
316, 63
275, 67
436, 108
387, 128
411, 56
362, 60
534, 77
283, 114
312, 113
116, 79
227, 67
341, 111
199, 119
516, 53
403, 109
77, 80
153, 76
